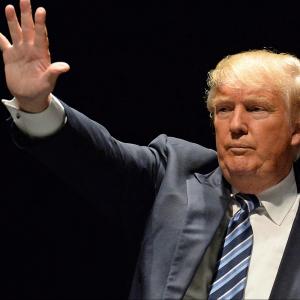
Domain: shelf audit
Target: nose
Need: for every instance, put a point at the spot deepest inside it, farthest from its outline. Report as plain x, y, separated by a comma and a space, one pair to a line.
238, 122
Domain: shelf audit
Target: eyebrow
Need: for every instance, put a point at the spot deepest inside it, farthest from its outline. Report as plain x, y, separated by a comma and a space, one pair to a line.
252, 100
249, 98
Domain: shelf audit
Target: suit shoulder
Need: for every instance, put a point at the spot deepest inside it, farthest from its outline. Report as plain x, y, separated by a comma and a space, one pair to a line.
191, 155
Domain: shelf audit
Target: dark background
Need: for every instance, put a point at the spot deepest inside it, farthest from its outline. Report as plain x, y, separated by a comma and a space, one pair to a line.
140, 69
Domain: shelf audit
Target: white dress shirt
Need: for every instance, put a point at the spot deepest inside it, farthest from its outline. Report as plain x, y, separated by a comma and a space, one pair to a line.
38, 125
271, 226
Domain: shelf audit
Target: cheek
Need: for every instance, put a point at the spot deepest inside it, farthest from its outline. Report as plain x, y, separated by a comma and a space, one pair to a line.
223, 155
221, 134
220, 145
273, 152
275, 138
273, 144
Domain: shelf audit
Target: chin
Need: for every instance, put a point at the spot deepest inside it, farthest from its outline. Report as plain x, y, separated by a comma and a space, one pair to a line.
241, 171
240, 167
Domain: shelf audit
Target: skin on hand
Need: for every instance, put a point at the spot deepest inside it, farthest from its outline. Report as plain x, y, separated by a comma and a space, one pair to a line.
30, 75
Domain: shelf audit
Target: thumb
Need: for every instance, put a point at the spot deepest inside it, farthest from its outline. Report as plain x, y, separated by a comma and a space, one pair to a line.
56, 69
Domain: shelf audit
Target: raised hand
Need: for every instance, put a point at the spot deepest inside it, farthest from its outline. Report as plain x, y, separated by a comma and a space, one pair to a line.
30, 76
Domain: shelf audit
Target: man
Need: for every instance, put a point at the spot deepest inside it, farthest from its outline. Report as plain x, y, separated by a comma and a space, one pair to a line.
189, 199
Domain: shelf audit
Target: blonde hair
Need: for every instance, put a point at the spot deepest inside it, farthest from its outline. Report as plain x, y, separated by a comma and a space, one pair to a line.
262, 69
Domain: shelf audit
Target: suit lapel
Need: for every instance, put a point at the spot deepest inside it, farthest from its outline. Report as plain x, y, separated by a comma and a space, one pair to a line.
286, 285
206, 207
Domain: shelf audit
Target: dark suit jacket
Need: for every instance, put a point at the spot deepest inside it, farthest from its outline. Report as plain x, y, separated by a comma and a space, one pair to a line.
175, 185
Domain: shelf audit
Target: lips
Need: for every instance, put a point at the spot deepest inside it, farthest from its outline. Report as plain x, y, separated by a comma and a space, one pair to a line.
239, 146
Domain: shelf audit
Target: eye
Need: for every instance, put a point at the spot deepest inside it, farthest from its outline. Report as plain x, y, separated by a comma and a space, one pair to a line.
256, 108
223, 109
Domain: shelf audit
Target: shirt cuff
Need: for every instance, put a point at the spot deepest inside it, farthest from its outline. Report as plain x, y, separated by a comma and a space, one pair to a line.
38, 125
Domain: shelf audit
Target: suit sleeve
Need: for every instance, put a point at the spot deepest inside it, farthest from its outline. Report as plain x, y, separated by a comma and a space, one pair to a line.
84, 155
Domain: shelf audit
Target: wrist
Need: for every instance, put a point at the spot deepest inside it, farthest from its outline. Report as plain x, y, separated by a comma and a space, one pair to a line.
33, 106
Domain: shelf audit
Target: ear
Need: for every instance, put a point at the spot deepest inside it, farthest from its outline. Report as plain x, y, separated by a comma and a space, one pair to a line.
295, 142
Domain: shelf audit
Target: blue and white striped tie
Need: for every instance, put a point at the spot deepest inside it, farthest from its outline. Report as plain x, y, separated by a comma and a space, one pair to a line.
229, 280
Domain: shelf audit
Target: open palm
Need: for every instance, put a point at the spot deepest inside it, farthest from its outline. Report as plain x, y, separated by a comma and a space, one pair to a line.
30, 76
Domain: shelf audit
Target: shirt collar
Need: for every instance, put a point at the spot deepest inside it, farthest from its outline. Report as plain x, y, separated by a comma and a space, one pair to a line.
279, 199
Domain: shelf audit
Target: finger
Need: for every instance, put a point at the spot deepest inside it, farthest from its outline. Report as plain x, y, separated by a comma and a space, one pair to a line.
58, 68
41, 37
4, 42
27, 21
13, 24
55, 70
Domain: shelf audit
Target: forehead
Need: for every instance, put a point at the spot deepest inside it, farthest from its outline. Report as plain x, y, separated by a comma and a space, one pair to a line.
244, 94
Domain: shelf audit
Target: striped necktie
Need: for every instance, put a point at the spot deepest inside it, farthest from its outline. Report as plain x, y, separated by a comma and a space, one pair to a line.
230, 277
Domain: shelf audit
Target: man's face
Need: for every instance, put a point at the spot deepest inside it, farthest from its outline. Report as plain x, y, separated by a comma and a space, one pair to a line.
254, 136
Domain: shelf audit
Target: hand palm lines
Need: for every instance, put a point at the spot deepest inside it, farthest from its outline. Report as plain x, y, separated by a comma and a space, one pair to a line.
23, 69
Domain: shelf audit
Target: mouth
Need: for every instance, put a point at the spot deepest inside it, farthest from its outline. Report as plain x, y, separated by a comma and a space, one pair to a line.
239, 149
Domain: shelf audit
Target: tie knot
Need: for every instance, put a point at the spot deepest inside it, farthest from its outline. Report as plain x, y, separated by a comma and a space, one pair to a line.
248, 202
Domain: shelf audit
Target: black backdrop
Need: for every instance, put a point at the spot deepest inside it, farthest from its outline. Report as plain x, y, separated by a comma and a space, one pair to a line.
140, 69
